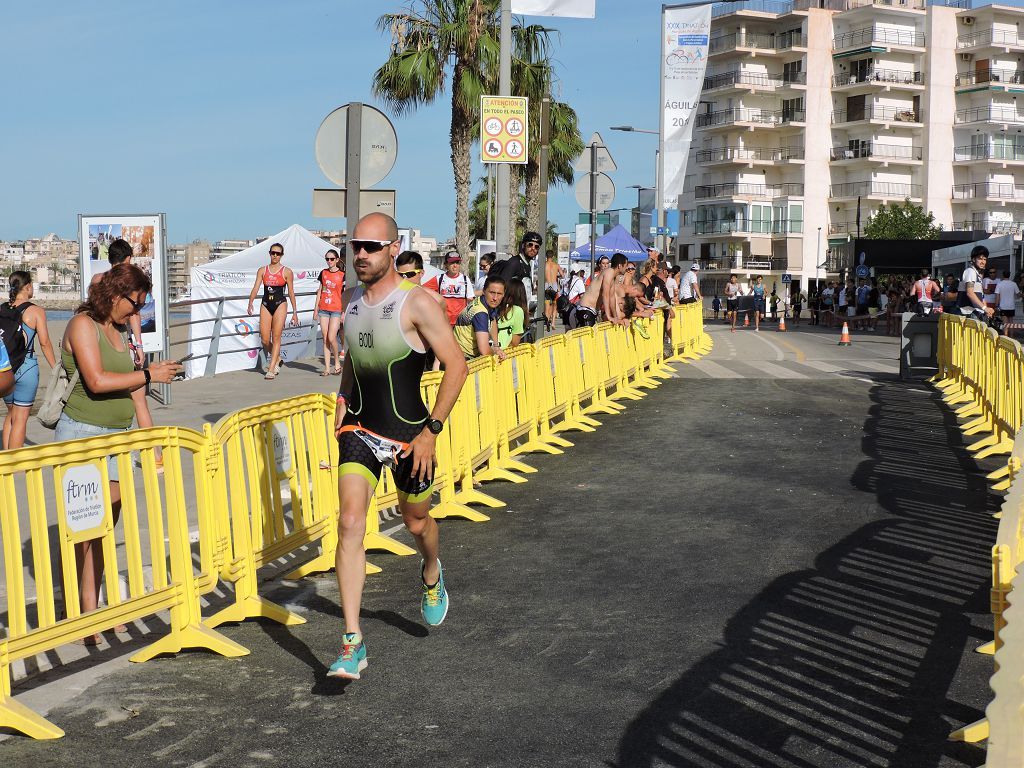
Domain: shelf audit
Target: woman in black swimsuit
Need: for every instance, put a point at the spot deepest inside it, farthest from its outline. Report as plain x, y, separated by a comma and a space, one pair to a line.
273, 308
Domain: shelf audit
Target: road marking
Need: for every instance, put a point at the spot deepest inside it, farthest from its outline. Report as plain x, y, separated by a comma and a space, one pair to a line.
715, 371
800, 356
778, 352
824, 367
776, 371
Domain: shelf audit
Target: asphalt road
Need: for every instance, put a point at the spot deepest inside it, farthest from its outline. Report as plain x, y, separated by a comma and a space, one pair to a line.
739, 571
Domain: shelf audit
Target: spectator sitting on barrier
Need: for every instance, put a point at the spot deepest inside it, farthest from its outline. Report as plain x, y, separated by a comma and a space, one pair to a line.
476, 327
969, 296
95, 347
512, 315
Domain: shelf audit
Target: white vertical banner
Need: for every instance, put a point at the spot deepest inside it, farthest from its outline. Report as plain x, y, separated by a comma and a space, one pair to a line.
684, 57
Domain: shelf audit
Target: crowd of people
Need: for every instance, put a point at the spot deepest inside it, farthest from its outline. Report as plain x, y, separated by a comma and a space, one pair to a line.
981, 291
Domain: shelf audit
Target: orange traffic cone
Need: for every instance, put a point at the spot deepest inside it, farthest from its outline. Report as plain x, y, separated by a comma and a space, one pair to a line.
746, 319
844, 338
782, 323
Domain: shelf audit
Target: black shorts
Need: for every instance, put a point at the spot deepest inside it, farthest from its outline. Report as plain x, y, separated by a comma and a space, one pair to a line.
273, 297
355, 457
1007, 312
582, 317
550, 293
731, 305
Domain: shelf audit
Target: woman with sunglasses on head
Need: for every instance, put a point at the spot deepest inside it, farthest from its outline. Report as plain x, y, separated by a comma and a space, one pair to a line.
96, 347
330, 311
26, 379
273, 309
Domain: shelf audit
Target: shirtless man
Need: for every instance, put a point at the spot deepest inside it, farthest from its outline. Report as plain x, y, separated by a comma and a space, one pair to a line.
600, 294
552, 273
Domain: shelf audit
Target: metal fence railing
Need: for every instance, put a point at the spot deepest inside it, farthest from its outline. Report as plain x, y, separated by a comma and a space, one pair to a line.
991, 190
878, 36
994, 113
874, 149
880, 76
733, 189
988, 75
746, 154
875, 189
876, 112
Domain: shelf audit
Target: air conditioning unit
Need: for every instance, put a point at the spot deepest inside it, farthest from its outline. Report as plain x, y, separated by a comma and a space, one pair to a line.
966, 56
967, 20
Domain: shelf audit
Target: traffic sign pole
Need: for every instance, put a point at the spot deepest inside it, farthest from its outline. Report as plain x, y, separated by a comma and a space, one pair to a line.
542, 161
593, 205
353, 143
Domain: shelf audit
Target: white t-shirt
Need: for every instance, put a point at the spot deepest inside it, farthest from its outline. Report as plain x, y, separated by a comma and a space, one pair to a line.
970, 276
732, 290
988, 288
842, 298
826, 296
479, 286
575, 289
686, 290
883, 302
1006, 291
672, 287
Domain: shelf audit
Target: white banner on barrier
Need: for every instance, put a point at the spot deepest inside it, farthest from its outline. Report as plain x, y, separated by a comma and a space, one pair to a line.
684, 55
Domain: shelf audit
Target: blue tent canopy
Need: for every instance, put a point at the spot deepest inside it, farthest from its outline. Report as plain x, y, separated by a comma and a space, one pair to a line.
616, 240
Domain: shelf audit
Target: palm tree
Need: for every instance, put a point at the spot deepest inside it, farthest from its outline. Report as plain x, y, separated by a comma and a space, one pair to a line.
427, 39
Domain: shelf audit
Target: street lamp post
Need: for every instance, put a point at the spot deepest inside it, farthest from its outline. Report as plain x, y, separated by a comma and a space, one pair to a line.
659, 211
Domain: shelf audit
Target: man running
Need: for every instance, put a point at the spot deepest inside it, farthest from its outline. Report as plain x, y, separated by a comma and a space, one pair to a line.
732, 300
381, 420
600, 294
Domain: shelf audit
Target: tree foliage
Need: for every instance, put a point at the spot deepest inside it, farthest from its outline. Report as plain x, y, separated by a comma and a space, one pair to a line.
902, 221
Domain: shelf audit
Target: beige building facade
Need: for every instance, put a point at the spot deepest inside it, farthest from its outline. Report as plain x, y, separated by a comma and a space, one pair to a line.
812, 111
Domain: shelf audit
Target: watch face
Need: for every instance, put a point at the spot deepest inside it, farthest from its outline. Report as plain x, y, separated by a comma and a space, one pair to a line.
435, 426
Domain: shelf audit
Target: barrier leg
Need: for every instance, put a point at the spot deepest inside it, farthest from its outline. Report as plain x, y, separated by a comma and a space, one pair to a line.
988, 649
979, 425
537, 445
999, 446
253, 607
454, 504
374, 539
17, 716
971, 734
191, 636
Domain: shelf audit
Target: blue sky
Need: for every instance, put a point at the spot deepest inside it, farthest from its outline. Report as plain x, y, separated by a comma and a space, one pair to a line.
207, 111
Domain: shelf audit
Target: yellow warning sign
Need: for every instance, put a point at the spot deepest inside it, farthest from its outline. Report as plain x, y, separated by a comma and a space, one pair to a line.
504, 137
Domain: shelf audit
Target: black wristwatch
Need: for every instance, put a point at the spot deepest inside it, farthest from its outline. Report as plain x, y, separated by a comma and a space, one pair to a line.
435, 426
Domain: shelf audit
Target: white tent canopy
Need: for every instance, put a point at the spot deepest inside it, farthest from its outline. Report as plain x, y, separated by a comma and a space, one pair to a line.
230, 279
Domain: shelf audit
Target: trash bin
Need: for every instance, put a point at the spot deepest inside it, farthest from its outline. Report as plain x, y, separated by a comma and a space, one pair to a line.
919, 346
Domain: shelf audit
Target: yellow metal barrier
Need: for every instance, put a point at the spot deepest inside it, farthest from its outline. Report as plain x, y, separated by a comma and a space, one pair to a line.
983, 375
68, 483
265, 483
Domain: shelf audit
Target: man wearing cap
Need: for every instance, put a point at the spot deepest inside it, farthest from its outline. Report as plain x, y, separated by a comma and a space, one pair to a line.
520, 266
455, 288
689, 288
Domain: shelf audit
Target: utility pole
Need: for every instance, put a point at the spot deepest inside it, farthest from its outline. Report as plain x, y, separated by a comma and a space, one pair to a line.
502, 216
542, 163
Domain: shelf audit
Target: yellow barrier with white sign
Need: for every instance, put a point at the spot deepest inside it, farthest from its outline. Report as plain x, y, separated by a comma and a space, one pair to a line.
67, 483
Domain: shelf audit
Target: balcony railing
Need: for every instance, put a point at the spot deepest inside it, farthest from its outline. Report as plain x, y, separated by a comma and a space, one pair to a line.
990, 37
844, 227
981, 76
880, 76
988, 190
748, 227
992, 227
723, 43
993, 152
760, 6
871, 149
707, 191
874, 35
747, 154
739, 77
875, 189
876, 112
792, 39
990, 114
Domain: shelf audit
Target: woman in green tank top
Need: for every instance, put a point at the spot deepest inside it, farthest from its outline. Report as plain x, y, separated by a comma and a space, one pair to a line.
101, 402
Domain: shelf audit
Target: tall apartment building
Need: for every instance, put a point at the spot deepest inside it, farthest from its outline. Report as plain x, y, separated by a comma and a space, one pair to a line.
180, 260
816, 112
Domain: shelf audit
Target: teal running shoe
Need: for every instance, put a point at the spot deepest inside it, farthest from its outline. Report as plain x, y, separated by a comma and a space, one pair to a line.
434, 605
352, 660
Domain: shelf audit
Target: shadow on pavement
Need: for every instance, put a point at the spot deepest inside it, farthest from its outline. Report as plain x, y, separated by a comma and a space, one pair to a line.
851, 663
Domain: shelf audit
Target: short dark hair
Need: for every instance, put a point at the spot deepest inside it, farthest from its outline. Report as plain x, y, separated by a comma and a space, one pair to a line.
618, 260
409, 257
489, 257
979, 250
492, 279
119, 251
1006, 274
